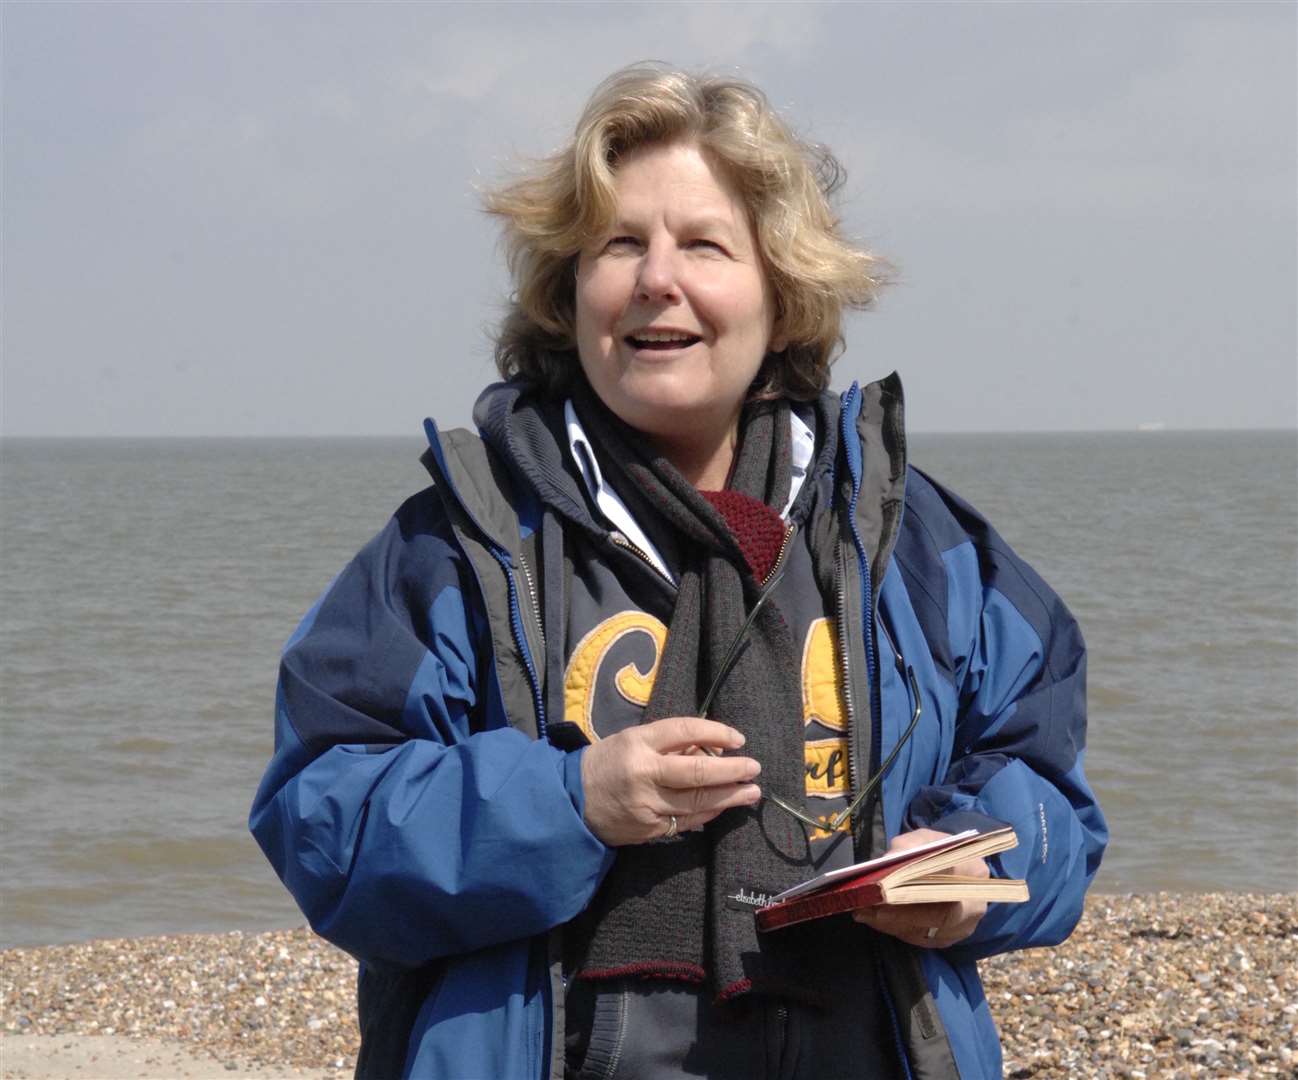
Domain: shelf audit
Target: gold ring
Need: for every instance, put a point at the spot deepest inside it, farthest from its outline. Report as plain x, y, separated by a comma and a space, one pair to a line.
932, 933
671, 832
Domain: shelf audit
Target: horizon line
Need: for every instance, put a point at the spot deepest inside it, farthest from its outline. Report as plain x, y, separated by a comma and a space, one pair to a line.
1152, 433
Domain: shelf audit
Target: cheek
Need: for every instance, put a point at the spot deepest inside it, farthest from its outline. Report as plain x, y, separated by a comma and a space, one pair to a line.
596, 317
737, 309
601, 298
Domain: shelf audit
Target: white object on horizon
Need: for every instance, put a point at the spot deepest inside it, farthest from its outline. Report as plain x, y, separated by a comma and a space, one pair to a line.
1152, 425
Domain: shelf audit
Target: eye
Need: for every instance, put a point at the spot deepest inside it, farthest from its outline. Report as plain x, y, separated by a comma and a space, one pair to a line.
707, 245
622, 241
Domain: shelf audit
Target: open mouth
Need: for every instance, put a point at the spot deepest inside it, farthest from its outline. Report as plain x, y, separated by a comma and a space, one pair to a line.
661, 342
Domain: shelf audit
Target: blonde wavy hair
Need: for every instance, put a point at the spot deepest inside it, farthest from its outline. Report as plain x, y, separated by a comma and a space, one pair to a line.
567, 201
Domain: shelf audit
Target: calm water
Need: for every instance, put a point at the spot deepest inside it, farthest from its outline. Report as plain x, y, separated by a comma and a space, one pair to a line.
146, 587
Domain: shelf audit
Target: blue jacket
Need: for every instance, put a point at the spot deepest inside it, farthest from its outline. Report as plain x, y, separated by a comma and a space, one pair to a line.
425, 823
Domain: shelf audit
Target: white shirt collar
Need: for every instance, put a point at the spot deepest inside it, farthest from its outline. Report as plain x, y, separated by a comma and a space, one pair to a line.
802, 449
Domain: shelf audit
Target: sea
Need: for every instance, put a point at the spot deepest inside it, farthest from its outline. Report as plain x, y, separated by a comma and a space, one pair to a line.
147, 586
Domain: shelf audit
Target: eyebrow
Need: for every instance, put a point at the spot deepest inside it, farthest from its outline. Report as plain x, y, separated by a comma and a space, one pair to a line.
702, 223
707, 222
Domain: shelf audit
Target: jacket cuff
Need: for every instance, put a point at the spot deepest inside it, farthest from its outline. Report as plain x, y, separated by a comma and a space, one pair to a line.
571, 772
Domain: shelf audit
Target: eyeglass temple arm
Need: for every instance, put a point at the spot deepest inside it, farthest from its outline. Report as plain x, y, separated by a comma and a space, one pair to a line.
833, 824
732, 655
877, 778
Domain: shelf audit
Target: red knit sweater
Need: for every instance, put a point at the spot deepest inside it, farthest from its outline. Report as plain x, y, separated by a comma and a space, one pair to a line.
758, 528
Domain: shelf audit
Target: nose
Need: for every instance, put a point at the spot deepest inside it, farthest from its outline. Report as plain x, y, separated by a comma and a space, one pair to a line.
658, 279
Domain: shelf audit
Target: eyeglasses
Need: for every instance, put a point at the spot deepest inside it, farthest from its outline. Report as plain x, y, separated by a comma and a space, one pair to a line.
833, 824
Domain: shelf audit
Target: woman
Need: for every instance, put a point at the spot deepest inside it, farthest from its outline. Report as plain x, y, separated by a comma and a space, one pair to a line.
675, 629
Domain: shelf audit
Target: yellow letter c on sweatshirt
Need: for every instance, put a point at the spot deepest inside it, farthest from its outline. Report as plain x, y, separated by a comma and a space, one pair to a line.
583, 669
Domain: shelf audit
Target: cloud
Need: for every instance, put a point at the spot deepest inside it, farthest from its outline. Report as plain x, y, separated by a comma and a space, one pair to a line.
279, 189
534, 70
1205, 113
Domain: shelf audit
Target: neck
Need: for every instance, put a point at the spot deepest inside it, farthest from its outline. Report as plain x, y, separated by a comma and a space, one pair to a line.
705, 463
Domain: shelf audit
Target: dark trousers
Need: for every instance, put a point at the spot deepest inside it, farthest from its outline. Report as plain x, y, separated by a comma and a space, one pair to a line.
637, 1030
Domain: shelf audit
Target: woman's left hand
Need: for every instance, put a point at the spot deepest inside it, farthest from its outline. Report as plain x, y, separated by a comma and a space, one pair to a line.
912, 923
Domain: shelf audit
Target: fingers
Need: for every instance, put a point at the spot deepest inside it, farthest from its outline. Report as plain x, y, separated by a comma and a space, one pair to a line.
709, 802
907, 918
926, 926
690, 822
684, 771
910, 923
975, 868
907, 840
677, 733
633, 786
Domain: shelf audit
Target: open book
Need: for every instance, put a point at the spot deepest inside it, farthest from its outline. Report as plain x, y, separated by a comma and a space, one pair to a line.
918, 875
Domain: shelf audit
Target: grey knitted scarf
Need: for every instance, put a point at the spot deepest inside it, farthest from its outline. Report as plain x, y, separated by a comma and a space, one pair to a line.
676, 909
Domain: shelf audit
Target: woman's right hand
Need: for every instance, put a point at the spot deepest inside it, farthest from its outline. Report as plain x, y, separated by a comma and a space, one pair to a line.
636, 781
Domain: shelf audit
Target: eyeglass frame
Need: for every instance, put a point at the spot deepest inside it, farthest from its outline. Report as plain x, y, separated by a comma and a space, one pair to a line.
836, 822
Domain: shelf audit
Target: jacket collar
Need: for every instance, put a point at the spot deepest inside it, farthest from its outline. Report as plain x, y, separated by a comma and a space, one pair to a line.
527, 438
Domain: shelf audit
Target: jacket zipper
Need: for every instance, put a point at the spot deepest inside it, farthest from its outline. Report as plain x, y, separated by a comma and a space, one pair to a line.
520, 637
875, 704
871, 664
536, 603
621, 541
443, 477
844, 664
867, 614
779, 558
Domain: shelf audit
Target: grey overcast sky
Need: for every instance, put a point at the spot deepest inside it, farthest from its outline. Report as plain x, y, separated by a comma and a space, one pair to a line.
261, 219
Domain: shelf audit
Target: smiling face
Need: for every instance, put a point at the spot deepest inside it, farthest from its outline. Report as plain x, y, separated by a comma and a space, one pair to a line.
674, 309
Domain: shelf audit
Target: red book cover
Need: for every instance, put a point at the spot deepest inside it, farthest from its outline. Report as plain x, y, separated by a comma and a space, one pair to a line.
848, 895
919, 875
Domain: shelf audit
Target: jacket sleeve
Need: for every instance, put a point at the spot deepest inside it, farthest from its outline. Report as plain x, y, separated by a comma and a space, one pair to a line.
404, 814
1018, 664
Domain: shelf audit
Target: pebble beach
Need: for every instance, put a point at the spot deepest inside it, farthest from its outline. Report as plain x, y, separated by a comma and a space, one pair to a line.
1148, 985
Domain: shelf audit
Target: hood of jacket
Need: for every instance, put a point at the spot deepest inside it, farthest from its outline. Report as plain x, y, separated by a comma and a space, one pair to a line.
530, 435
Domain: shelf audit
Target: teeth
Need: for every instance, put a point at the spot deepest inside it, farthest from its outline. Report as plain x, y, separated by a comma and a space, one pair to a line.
662, 335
